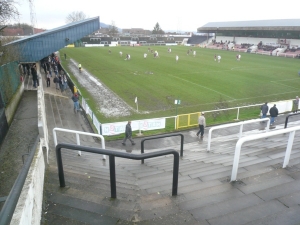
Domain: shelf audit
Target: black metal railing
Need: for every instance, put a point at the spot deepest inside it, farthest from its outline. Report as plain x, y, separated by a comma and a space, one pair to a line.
287, 119
162, 136
112, 155
13, 197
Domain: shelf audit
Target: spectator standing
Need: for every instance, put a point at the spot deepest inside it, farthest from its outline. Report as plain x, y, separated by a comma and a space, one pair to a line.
296, 104
264, 110
44, 67
60, 82
273, 113
75, 99
56, 81
128, 134
202, 125
64, 81
34, 76
48, 79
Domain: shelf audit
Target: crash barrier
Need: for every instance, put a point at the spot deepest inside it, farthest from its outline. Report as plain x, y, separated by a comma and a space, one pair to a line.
112, 169
287, 119
162, 136
291, 131
241, 124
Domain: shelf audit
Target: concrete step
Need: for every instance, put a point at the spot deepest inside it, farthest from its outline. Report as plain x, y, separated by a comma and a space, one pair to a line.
242, 215
288, 216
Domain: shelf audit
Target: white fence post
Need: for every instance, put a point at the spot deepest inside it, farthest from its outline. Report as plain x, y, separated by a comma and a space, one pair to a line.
289, 149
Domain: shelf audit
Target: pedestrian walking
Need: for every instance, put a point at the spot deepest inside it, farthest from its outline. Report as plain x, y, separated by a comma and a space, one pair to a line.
128, 134
264, 110
273, 114
202, 125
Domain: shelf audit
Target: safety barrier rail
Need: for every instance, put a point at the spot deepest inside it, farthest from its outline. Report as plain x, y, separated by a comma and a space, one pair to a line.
112, 169
78, 137
240, 142
287, 119
11, 201
162, 136
241, 124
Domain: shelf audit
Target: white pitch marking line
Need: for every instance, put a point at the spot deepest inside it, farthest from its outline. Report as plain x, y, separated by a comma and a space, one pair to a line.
202, 86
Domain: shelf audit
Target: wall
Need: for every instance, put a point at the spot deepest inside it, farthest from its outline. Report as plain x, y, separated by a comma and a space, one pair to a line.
29, 207
13, 104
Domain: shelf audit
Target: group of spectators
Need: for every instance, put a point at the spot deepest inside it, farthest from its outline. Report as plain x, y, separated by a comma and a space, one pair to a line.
53, 68
274, 111
30, 69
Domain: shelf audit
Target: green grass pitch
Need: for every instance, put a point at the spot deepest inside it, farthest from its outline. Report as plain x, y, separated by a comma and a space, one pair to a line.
199, 82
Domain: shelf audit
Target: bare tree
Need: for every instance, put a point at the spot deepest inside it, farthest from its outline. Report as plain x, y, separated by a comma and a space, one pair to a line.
8, 11
157, 29
75, 16
10, 52
112, 29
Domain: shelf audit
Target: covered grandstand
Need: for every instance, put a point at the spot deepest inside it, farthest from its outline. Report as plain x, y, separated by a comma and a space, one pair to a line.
271, 37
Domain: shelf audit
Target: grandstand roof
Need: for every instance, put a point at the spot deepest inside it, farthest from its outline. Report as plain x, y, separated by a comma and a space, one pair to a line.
284, 24
35, 47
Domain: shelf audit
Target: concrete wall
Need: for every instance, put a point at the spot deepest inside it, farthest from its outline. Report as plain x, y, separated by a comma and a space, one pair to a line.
29, 208
13, 104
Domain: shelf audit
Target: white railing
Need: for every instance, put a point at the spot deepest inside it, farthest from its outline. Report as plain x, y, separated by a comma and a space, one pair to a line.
238, 147
287, 55
78, 137
241, 124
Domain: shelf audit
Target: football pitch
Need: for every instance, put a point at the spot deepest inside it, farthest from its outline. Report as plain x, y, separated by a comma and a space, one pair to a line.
200, 82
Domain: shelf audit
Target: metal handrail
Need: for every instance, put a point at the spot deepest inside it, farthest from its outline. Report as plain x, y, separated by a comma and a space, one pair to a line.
162, 136
241, 124
112, 155
290, 130
14, 194
287, 119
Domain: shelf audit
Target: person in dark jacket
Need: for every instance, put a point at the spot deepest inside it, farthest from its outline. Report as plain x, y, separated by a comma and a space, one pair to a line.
264, 110
34, 76
273, 114
128, 134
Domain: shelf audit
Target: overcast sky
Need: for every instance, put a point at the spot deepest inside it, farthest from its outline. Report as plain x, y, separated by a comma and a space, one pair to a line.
177, 15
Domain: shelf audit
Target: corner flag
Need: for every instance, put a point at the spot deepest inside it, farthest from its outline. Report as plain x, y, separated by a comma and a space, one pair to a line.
136, 102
